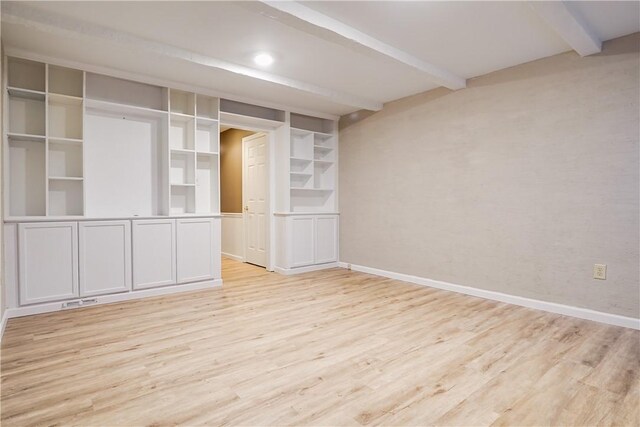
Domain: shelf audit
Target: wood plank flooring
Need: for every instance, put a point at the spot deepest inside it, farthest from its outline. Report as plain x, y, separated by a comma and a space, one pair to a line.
326, 348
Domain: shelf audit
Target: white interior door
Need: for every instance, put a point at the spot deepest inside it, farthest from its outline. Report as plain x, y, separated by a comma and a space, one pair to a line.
254, 184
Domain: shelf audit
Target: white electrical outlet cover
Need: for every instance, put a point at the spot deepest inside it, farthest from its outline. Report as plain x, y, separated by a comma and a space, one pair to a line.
600, 271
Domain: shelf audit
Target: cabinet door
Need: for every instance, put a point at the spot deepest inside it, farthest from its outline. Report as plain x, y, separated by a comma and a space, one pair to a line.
48, 261
105, 257
196, 249
302, 245
154, 253
326, 239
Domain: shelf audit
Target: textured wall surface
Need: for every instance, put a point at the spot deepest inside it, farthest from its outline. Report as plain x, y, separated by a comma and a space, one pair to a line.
2, 288
517, 184
231, 170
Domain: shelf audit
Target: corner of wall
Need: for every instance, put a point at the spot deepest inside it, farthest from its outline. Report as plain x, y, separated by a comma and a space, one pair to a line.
3, 309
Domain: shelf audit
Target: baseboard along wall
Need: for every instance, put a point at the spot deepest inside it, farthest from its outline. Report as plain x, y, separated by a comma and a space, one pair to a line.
551, 307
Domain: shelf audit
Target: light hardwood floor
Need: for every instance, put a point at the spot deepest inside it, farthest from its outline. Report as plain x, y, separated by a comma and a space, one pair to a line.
326, 348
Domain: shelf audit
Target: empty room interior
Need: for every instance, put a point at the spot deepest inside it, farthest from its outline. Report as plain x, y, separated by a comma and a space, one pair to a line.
320, 213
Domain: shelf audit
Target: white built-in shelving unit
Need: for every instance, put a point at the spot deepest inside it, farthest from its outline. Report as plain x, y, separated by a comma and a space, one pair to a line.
312, 165
194, 153
87, 145
111, 188
44, 139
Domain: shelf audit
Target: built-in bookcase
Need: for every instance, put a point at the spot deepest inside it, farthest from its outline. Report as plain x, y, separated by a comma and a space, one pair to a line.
194, 153
312, 169
44, 139
85, 144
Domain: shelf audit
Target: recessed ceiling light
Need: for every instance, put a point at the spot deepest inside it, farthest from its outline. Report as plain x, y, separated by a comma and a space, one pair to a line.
263, 59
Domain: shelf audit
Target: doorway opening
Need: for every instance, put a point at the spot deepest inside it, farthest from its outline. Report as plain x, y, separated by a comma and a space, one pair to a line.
244, 194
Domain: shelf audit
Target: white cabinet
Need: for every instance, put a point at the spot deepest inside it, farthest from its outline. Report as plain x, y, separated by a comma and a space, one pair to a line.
311, 240
326, 239
105, 257
302, 241
198, 243
48, 261
154, 253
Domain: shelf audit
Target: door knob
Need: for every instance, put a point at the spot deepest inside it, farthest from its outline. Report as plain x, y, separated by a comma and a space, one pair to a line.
246, 208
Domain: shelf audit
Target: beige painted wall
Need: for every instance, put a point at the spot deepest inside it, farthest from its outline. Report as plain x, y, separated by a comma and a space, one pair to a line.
231, 170
517, 184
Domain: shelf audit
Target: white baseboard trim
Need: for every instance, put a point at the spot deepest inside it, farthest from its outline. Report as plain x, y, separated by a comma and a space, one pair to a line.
5, 318
108, 299
551, 307
234, 257
307, 269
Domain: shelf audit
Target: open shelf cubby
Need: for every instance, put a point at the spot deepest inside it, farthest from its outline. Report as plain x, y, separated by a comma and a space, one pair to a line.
182, 199
182, 168
302, 145
125, 92
66, 81
322, 153
207, 183
323, 175
300, 165
65, 197
26, 113
207, 107
312, 124
25, 74
65, 159
323, 140
181, 132
207, 136
182, 102
249, 110
27, 180
301, 180
65, 116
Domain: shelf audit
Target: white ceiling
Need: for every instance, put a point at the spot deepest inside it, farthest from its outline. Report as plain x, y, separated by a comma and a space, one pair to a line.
317, 68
